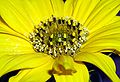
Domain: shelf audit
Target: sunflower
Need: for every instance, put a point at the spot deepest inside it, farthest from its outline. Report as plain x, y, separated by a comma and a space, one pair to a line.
49, 37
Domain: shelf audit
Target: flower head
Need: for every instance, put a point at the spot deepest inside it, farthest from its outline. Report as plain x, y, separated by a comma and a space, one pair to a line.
49, 37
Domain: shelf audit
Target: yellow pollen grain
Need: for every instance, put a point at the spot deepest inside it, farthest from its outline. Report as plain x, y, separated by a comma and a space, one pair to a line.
73, 33
73, 40
50, 19
69, 22
64, 43
36, 31
42, 27
74, 23
59, 40
51, 36
79, 28
41, 34
51, 43
65, 36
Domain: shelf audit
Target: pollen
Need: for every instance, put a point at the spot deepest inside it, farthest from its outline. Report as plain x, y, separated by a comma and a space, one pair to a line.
58, 36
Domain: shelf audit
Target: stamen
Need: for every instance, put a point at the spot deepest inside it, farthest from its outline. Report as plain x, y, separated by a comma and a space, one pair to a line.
58, 36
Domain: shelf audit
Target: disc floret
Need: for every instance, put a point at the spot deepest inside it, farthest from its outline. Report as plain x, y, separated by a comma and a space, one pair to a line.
58, 36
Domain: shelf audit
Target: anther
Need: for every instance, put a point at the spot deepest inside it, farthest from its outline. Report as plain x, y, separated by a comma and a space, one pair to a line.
63, 21
45, 24
71, 22
54, 19
59, 21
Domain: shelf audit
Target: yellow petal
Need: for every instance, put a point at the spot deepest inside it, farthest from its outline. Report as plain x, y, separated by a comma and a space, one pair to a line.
4, 28
115, 19
103, 44
81, 75
38, 10
102, 14
39, 74
14, 15
107, 37
58, 7
113, 28
19, 76
69, 7
24, 61
11, 45
105, 63
83, 9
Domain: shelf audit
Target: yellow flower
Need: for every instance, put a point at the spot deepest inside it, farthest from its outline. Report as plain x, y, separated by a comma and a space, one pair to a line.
50, 37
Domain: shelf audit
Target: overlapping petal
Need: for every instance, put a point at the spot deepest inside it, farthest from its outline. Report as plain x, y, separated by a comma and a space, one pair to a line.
81, 75
64, 65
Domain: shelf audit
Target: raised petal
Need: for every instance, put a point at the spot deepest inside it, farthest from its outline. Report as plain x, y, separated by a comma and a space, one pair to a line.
81, 75
64, 64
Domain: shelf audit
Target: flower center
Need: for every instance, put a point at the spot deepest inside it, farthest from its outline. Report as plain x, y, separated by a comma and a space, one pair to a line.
58, 36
